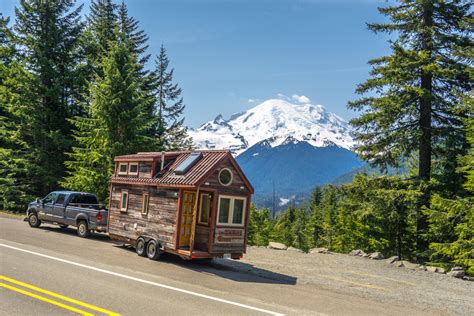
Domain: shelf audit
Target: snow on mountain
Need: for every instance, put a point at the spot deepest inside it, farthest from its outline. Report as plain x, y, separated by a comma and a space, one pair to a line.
278, 122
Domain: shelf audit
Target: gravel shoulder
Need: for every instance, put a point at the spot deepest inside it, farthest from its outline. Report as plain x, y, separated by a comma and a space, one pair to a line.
362, 277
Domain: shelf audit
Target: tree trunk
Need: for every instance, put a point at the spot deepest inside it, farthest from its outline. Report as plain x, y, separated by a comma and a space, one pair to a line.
425, 150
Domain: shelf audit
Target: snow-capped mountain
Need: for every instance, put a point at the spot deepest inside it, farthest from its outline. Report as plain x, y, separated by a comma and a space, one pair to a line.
285, 147
277, 122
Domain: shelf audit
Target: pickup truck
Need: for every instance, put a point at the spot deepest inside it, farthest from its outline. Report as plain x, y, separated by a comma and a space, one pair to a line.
69, 208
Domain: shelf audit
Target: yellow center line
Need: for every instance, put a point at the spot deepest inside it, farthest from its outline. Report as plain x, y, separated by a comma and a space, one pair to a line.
64, 298
44, 299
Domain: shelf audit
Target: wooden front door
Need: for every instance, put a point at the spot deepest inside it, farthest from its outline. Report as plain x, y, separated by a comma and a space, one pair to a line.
189, 199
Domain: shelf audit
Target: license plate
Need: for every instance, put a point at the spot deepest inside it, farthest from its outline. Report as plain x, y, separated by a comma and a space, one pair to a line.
227, 256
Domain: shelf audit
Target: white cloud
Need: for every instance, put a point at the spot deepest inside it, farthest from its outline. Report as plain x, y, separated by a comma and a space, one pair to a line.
281, 96
253, 100
300, 98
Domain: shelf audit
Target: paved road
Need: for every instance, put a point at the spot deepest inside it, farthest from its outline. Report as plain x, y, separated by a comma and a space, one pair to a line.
48, 271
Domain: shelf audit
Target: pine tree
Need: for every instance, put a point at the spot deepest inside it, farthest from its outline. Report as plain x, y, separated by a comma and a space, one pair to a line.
138, 39
260, 226
15, 188
115, 125
99, 35
329, 208
47, 34
169, 128
284, 224
415, 90
314, 227
128, 26
467, 161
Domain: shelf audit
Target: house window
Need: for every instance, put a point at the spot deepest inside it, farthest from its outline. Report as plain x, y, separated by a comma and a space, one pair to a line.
204, 208
122, 169
124, 201
133, 169
225, 177
231, 211
146, 199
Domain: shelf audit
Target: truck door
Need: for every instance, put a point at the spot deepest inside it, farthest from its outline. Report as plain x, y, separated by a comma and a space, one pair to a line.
59, 207
48, 205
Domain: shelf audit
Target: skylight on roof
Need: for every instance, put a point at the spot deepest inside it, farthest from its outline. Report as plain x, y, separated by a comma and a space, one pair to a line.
188, 163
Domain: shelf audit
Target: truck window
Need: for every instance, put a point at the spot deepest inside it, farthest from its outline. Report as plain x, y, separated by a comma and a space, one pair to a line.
60, 199
84, 199
49, 199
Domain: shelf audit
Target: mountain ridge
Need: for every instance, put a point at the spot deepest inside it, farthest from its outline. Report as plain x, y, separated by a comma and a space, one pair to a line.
274, 120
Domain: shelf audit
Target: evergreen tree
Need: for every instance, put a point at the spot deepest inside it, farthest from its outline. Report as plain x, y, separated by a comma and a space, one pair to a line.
467, 161
284, 224
451, 231
169, 128
15, 188
47, 33
415, 90
260, 226
138, 39
116, 122
417, 86
298, 230
329, 209
128, 26
101, 29
314, 227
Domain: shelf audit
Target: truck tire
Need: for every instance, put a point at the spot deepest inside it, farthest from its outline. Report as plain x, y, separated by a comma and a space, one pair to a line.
153, 250
140, 248
33, 220
82, 229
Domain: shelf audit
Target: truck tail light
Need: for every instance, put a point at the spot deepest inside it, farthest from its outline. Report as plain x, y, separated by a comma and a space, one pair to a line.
99, 216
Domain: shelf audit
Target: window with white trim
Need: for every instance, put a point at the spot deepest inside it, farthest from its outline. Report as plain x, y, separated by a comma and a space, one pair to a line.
123, 168
124, 201
145, 202
204, 207
133, 168
231, 211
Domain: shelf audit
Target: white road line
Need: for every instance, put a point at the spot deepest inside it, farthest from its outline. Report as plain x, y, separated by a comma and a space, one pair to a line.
146, 282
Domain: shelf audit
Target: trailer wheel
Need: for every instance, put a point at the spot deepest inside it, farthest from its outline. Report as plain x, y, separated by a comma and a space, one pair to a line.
33, 220
82, 229
140, 248
152, 250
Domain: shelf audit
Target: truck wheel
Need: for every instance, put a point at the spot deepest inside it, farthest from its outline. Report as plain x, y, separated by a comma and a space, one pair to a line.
152, 250
82, 229
141, 247
33, 220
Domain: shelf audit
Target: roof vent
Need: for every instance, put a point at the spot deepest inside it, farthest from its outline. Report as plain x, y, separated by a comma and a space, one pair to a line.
188, 163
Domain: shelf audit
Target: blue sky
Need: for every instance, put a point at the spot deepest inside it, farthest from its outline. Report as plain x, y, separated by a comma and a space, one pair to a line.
227, 52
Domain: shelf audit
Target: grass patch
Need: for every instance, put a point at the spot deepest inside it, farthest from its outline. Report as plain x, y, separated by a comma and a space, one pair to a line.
12, 214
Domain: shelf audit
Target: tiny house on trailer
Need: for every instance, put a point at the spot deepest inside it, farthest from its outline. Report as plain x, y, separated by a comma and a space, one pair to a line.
194, 204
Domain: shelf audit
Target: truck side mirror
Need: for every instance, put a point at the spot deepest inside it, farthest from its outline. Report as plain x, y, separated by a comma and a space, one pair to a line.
37, 200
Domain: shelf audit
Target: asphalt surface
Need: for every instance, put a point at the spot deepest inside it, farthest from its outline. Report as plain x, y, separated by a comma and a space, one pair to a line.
49, 271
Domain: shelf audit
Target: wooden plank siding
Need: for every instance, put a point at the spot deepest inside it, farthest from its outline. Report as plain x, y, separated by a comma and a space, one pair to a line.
201, 238
159, 222
236, 188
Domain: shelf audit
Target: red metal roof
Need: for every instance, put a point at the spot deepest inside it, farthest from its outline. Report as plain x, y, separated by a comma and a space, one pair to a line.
192, 178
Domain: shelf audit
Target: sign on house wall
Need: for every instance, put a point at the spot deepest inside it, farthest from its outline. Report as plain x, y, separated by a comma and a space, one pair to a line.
229, 236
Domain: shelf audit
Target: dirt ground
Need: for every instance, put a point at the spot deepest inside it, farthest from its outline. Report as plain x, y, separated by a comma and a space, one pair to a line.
362, 277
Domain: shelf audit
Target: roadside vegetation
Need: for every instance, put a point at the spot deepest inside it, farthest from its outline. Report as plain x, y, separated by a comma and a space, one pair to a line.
416, 111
